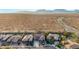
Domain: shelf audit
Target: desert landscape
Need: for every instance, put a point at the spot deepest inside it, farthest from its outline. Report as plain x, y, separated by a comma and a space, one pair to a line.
26, 22
36, 22
56, 30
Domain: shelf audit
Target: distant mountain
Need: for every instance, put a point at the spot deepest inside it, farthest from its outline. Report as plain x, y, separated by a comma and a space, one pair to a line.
50, 11
63, 11
76, 11
59, 10
44, 10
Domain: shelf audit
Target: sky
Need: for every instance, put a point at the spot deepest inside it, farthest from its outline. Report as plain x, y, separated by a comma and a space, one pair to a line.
17, 5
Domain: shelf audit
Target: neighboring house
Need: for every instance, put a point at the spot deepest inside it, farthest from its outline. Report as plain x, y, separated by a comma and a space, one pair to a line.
39, 39
54, 38
28, 39
3, 39
15, 39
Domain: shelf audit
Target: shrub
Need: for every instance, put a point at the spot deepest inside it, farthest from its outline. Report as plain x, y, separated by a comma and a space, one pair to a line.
63, 38
59, 46
73, 35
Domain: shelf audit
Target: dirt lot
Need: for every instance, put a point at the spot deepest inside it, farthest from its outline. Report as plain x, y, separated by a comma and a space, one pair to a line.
35, 22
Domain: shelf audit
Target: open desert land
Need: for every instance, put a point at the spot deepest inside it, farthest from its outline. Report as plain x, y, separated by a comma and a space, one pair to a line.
28, 22
19, 22
72, 21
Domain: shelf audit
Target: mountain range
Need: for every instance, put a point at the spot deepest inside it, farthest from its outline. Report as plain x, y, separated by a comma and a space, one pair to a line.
59, 11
